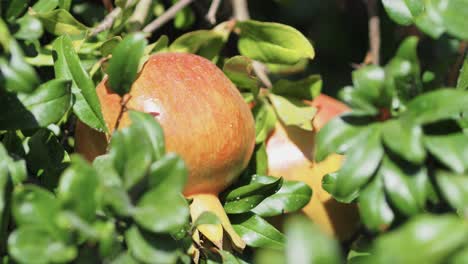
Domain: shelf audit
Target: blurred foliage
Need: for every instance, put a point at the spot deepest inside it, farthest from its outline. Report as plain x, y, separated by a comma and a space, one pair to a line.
405, 138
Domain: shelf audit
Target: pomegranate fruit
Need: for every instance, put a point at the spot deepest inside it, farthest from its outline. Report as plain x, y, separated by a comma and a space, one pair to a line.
290, 155
204, 118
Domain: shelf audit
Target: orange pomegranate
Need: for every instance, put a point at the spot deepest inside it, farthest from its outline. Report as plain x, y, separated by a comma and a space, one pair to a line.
204, 118
290, 154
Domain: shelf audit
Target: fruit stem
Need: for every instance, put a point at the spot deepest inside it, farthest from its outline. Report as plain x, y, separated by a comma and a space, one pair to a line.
210, 202
123, 103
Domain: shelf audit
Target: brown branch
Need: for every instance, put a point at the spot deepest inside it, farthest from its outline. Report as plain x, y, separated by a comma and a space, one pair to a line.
241, 13
166, 16
374, 31
211, 15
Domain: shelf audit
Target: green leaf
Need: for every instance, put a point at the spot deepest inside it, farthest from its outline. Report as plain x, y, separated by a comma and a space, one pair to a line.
368, 82
374, 210
273, 42
288, 69
60, 22
293, 112
398, 11
361, 162
256, 232
15, 9
454, 188
168, 174
261, 159
462, 83
162, 211
44, 106
125, 258
306, 244
399, 187
239, 70
29, 28
229, 258
292, 196
245, 198
434, 238
157, 46
5, 190
109, 45
430, 20
450, 150
34, 206
134, 148
153, 131
453, 14
435, 106
339, 134
77, 189
196, 41
132, 154
18, 75
33, 244
151, 248
265, 121
67, 66
123, 66
14, 169
405, 140
304, 89
107, 173
43, 6
269, 256
116, 200
416, 7
460, 257
46, 154
184, 18
355, 99
329, 185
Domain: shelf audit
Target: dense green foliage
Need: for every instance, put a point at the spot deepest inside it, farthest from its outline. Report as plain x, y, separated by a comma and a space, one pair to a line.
405, 139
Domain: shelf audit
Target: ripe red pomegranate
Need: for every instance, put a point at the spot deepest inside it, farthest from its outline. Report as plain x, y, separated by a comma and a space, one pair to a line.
290, 154
204, 118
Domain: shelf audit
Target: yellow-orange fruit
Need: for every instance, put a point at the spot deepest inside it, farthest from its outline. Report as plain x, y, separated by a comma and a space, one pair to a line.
290, 154
203, 115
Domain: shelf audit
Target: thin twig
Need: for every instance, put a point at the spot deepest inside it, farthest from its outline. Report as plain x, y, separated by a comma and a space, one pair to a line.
141, 12
240, 9
166, 16
211, 15
107, 21
374, 31
261, 72
241, 13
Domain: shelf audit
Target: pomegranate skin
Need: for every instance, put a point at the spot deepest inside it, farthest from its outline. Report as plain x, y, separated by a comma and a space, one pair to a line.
203, 115
290, 154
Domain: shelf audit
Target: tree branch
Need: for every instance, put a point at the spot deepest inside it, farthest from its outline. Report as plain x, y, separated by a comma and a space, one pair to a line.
374, 31
211, 15
166, 16
141, 12
107, 21
240, 10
